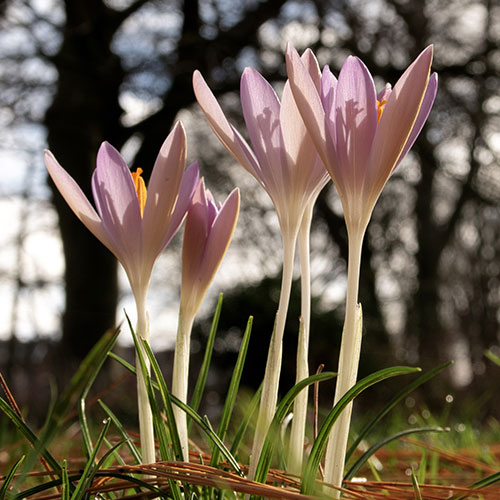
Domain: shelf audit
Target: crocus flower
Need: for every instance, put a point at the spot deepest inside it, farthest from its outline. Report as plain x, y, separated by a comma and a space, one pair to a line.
361, 138
283, 160
208, 232
136, 224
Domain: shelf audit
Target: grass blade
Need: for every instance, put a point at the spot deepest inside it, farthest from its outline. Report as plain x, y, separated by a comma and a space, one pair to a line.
273, 433
210, 433
487, 481
422, 467
197, 419
207, 358
8, 478
240, 433
114, 419
157, 417
318, 449
29, 434
86, 477
57, 482
373, 449
391, 404
77, 384
91, 375
233, 389
167, 403
492, 356
80, 379
416, 487
66, 485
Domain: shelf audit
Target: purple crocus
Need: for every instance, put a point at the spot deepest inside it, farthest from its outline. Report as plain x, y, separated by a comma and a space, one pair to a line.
136, 224
282, 157
136, 227
208, 232
284, 161
361, 138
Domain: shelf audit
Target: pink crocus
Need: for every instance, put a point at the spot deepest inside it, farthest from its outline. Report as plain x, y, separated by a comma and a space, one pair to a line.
284, 161
207, 235
282, 157
135, 224
135, 227
361, 138
208, 232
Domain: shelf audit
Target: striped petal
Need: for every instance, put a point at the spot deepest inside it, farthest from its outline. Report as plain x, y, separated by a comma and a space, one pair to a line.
355, 123
226, 133
397, 121
221, 233
163, 192
77, 201
186, 192
261, 110
425, 109
308, 102
116, 201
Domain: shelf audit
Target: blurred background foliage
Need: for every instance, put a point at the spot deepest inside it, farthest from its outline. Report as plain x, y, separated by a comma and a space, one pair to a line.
76, 72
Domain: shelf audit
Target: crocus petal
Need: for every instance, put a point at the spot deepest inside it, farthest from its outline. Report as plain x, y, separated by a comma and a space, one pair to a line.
186, 192
219, 238
226, 133
328, 91
195, 236
212, 207
308, 101
163, 190
355, 122
312, 66
425, 109
116, 200
77, 200
296, 141
397, 121
261, 110
306, 171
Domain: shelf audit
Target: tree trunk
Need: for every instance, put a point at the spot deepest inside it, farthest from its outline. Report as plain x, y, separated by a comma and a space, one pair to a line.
84, 112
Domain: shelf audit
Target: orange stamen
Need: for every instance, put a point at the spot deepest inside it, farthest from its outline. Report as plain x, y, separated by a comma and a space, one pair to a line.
140, 187
380, 109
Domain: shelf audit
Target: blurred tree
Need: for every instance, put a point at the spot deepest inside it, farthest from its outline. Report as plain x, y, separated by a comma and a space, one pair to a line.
430, 272
86, 109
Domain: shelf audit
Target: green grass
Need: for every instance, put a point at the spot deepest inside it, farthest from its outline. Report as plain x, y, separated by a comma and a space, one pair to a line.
79, 453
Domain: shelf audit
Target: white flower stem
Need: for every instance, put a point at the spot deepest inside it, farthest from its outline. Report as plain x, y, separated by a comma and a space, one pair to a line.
146, 428
269, 395
297, 434
348, 364
180, 376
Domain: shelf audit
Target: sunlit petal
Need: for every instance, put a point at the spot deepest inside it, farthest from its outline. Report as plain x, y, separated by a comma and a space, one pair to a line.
163, 191
396, 124
116, 200
233, 142
355, 122
261, 110
77, 200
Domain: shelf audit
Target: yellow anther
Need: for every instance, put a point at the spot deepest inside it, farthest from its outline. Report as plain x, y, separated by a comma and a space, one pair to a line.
380, 109
140, 187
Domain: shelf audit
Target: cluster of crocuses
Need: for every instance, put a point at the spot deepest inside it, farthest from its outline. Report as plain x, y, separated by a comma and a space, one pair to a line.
323, 128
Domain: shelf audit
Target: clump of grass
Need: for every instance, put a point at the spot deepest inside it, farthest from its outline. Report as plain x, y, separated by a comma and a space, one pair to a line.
110, 456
